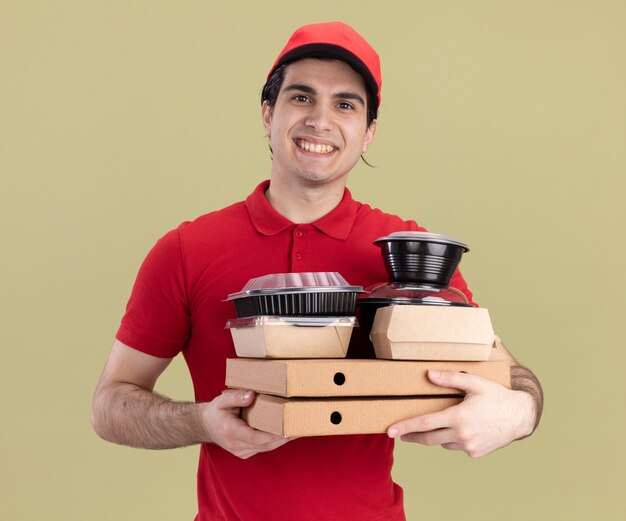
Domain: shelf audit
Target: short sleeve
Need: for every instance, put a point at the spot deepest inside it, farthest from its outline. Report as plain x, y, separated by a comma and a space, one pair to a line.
157, 318
459, 283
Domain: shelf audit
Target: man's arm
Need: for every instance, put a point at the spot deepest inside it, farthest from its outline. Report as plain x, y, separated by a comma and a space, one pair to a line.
489, 417
127, 411
523, 379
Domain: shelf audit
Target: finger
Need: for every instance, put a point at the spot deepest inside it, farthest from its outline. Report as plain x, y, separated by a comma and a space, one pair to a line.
469, 383
438, 437
234, 399
250, 451
258, 438
264, 442
452, 446
239, 438
423, 423
275, 444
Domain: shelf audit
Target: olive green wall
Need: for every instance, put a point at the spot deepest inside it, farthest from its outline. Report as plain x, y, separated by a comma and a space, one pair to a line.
503, 123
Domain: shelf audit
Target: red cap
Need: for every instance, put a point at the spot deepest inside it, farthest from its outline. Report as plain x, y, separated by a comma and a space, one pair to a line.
334, 40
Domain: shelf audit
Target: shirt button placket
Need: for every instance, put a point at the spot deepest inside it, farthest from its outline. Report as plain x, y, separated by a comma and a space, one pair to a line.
297, 234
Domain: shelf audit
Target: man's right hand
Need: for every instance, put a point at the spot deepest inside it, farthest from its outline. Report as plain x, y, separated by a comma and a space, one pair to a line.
229, 431
126, 410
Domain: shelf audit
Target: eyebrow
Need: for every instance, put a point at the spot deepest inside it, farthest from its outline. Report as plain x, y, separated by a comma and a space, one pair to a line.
310, 90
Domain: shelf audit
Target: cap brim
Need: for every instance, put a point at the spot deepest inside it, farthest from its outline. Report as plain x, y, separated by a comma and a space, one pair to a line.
325, 50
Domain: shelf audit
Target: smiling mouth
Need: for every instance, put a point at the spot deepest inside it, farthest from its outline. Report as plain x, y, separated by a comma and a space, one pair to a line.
314, 147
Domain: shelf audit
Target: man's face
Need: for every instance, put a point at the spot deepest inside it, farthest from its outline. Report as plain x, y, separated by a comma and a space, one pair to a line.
318, 125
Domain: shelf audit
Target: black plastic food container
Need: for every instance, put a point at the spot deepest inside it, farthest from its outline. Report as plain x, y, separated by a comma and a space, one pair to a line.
317, 294
421, 257
420, 266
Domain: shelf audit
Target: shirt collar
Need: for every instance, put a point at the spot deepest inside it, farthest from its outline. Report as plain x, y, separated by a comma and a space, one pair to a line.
337, 223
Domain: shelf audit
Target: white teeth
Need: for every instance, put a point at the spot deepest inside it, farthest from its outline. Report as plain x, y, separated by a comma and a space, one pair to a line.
318, 149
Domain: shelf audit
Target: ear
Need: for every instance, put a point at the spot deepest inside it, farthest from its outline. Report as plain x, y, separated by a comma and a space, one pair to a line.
266, 116
369, 136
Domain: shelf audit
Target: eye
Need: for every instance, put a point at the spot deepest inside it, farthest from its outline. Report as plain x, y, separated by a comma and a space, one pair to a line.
345, 105
301, 98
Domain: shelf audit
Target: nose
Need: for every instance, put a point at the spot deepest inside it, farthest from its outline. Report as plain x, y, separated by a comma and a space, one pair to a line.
320, 117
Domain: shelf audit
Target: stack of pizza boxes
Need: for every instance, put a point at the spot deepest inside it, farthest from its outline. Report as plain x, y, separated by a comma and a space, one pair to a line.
292, 334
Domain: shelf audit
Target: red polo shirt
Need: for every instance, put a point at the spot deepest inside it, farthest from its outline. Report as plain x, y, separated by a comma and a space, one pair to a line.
177, 304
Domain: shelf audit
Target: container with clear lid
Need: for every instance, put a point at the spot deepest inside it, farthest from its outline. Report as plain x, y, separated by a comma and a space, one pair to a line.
420, 266
324, 294
291, 337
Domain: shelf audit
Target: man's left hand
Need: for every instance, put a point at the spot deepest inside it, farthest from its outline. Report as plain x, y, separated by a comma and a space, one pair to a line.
489, 417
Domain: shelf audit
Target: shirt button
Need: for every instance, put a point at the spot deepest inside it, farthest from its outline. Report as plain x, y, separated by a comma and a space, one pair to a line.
298, 256
299, 234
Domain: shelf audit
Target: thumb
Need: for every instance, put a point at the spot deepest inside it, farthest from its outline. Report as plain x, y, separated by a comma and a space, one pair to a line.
233, 399
469, 383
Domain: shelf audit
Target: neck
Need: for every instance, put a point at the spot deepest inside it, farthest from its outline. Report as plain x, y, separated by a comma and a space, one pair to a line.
304, 204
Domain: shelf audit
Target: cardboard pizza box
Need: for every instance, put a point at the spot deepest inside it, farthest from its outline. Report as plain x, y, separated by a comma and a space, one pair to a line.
326, 378
332, 416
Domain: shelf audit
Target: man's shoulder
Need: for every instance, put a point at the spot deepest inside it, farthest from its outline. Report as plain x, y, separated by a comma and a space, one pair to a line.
220, 221
369, 216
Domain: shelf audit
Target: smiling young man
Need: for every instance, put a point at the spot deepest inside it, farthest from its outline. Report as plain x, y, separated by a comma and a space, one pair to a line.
319, 112
318, 129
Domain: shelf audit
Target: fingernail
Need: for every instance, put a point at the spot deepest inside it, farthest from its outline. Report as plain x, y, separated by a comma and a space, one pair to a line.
392, 433
435, 374
247, 395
